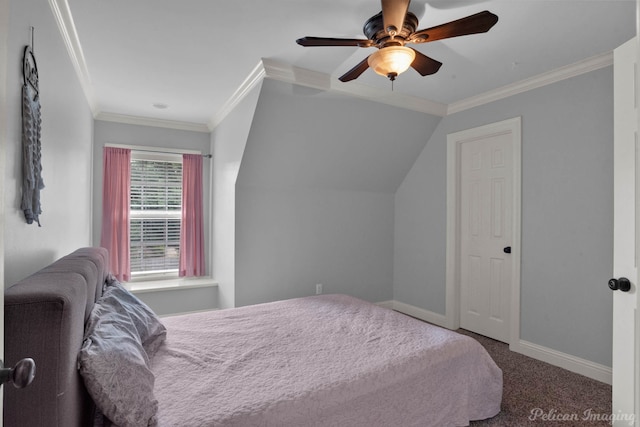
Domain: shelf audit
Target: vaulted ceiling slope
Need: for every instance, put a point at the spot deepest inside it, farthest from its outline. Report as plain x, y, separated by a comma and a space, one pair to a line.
182, 61
308, 138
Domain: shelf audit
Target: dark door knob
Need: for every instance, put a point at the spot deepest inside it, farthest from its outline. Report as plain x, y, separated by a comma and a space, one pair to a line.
622, 284
507, 250
21, 375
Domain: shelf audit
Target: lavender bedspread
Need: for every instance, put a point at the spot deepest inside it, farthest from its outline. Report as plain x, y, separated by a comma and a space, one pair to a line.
329, 360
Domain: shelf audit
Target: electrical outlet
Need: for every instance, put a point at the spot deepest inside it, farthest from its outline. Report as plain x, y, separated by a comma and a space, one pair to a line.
318, 288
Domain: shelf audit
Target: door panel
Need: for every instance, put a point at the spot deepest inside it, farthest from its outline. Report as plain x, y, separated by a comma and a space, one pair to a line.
485, 226
625, 355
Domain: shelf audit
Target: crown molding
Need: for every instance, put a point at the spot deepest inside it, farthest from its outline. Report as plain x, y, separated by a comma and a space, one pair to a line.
313, 79
268, 68
148, 121
253, 79
67, 28
581, 67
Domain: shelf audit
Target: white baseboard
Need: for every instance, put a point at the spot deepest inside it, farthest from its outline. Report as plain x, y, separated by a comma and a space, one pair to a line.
419, 313
566, 361
180, 313
386, 304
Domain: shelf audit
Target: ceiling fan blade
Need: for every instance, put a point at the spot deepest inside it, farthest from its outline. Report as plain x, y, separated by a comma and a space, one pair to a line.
327, 41
355, 72
393, 14
425, 65
479, 23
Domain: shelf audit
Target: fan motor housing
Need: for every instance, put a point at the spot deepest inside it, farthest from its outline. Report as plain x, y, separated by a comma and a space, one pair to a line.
374, 28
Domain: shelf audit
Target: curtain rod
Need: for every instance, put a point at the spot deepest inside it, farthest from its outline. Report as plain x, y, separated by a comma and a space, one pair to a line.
157, 150
208, 156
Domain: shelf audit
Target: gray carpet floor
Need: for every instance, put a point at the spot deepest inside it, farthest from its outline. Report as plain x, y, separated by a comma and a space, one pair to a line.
536, 393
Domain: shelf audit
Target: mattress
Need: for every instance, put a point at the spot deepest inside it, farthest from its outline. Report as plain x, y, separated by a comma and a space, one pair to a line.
327, 360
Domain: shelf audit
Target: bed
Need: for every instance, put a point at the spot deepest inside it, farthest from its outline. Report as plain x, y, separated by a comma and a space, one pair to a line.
327, 360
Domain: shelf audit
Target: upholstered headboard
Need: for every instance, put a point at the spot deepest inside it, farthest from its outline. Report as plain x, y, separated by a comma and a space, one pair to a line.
44, 319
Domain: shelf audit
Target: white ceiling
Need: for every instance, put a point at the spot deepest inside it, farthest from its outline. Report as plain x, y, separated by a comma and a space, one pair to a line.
192, 55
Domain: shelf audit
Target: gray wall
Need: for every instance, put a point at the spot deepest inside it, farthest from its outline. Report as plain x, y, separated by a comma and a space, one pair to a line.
228, 140
567, 214
167, 302
128, 134
67, 132
314, 196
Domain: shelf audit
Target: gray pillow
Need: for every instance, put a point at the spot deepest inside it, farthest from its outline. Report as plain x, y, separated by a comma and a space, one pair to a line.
115, 369
151, 331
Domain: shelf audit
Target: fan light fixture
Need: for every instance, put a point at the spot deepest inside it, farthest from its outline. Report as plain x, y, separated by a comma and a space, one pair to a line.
391, 61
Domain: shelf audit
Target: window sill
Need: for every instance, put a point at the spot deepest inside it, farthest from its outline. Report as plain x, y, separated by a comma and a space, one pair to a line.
171, 284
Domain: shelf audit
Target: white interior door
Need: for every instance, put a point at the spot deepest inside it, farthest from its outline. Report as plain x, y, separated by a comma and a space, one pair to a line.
485, 234
625, 330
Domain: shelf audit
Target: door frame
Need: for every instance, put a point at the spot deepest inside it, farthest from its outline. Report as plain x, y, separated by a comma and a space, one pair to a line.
636, 95
454, 141
4, 105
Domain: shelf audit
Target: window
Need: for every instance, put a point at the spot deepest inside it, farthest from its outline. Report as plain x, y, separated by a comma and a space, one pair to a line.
152, 213
155, 212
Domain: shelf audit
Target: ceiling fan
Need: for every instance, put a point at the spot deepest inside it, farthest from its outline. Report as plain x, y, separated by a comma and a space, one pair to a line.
394, 27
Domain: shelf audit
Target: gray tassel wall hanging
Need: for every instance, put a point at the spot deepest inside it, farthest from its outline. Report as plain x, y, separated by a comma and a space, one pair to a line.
32, 181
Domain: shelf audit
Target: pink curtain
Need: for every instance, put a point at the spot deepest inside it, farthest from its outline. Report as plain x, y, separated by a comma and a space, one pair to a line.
191, 227
115, 209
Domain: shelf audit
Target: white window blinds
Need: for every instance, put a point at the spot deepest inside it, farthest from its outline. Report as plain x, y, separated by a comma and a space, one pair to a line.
156, 198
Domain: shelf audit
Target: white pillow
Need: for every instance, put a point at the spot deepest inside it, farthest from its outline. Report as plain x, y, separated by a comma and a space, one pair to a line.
115, 368
151, 331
